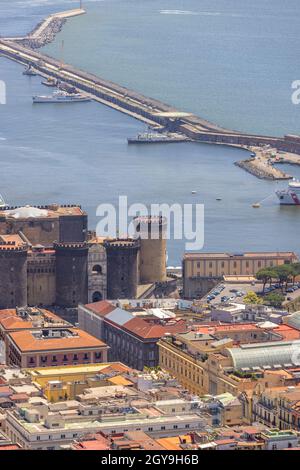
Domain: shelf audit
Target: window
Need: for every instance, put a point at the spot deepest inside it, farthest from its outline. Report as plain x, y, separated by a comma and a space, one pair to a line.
97, 296
97, 269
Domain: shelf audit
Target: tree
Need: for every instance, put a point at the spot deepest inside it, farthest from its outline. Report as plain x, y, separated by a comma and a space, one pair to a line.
265, 275
274, 299
252, 298
295, 271
284, 274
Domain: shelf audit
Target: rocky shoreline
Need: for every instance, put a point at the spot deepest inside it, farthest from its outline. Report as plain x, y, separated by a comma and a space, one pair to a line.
262, 171
46, 36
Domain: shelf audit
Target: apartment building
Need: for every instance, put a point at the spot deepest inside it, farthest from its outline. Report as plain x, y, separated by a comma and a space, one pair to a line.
52, 347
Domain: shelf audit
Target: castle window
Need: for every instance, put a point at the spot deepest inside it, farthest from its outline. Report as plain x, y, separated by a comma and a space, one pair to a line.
97, 269
97, 296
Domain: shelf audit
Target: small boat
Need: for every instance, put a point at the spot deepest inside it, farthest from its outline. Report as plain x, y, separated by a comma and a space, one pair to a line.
51, 82
30, 72
194, 192
61, 97
256, 205
2, 202
218, 199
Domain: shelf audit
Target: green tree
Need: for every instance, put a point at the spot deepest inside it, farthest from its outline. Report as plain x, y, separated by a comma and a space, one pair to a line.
252, 298
284, 274
295, 271
274, 299
265, 275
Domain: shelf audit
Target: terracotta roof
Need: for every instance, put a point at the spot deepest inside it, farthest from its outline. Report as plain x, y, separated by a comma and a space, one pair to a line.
19, 397
174, 443
115, 367
10, 447
26, 342
258, 255
96, 442
10, 320
101, 308
119, 380
148, 330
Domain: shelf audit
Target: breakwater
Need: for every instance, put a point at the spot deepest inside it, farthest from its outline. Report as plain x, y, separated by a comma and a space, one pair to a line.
262, 171
148, 110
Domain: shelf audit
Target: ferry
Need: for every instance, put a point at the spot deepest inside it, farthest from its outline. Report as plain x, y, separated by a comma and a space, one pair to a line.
61, 97
291, 195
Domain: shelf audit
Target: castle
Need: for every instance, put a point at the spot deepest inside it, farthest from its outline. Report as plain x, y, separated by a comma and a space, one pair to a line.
48, 257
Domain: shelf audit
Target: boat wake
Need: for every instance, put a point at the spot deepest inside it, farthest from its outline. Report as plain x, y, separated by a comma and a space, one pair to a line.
178, 12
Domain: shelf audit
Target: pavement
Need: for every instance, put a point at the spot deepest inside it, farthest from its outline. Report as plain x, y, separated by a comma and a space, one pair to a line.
244, 287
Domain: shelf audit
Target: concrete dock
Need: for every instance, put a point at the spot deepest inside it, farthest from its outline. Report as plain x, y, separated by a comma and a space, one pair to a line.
150, 111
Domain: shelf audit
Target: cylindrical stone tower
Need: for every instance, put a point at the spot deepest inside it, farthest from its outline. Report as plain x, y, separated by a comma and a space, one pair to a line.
13, 276
122, 268
71, 274
153, 248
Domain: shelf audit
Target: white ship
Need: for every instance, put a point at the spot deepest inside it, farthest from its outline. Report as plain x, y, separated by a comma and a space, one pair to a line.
61, 97
152, 137
291, 195
2, 202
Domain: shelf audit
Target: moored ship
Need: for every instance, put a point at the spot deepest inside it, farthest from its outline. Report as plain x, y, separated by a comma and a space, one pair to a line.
152, 137
61, 97
30, 72
291, 195
2, 202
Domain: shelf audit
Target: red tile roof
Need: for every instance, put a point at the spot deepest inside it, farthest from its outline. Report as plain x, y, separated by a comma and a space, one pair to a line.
26, 342
148, 330
101, 308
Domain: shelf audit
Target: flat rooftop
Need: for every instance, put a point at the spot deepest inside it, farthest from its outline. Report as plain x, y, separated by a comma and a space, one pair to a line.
27, 341
79, 369
263, 254
52, 211
28, 318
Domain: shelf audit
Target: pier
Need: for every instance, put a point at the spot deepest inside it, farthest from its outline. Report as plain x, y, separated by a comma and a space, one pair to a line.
150, 111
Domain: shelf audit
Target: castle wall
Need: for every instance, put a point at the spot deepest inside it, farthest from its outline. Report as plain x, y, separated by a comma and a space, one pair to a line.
71, 274
122, 269
13, 277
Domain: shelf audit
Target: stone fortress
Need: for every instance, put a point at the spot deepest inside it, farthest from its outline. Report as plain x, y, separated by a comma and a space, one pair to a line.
49, 258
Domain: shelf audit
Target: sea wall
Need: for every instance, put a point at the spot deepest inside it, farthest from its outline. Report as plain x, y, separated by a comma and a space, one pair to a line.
46, 34
266, 172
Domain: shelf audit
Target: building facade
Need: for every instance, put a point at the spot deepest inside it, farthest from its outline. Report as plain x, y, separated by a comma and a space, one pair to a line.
202, 271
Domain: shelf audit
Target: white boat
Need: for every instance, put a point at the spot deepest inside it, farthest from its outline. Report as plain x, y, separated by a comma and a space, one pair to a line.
149, 137
291, 195
30, 72
61, 97
2, 202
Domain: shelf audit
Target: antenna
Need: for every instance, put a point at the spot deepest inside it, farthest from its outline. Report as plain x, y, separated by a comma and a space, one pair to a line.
80, 6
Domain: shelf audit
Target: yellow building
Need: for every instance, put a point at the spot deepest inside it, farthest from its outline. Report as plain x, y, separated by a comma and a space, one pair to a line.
201, 270
66, 382
204, 366
198, 373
